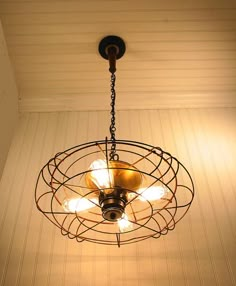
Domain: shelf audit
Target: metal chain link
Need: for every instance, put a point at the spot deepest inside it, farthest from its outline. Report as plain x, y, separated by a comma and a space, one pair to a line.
113, 155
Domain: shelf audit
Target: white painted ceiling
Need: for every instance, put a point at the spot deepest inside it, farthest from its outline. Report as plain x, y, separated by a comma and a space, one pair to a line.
179, 53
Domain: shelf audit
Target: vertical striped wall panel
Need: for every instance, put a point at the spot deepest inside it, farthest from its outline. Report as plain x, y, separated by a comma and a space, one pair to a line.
200, 251
8, 101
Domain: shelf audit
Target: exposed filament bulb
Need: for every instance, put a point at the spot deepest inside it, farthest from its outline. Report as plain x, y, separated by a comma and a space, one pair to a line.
79, 204
152, 193
124, 224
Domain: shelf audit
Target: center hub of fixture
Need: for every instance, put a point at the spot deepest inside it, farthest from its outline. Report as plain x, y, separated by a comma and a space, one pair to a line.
113, 209
113, 205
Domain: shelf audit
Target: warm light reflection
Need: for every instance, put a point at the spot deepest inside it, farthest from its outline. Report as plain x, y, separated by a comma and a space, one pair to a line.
152, 193
117, 174
125, 224
79, 204
100, 175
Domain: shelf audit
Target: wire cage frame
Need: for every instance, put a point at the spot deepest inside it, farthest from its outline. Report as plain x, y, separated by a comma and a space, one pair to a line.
64, 178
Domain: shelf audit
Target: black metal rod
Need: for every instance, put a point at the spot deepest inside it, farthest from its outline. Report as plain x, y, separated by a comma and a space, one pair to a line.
112, 53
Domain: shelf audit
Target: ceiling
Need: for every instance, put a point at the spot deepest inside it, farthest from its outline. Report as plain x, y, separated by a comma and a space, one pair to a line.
179, 53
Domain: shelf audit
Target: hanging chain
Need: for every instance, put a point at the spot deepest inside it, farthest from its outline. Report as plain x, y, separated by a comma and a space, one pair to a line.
113, 155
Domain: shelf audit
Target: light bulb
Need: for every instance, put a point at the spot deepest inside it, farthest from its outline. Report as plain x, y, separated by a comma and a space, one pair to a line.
100, 176
117, 174
152, 193
125, 224
78, 204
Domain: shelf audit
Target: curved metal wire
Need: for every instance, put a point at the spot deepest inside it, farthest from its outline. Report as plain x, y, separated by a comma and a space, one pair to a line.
63, 178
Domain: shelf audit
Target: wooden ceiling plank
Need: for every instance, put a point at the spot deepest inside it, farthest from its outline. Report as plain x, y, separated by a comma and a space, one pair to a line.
122, 16
157, 66
18, 7
128, 74
93, 38
119, 27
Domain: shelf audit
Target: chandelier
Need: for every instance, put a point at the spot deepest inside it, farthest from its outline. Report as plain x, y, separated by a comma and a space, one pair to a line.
112, 191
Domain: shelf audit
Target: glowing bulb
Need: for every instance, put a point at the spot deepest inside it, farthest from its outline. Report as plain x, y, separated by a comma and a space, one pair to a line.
100, 174
125, 224
152, 193
117, 174
79, 204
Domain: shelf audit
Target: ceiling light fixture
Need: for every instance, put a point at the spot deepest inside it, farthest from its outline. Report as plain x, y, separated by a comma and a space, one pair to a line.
114, 191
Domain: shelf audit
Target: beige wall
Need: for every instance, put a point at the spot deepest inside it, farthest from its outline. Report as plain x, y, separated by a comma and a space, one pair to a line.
200, 251
8, 102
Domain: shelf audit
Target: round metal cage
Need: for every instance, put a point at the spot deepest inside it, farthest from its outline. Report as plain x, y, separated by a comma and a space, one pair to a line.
64, 177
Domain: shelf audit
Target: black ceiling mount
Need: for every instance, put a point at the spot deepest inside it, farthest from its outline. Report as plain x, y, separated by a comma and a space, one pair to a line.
112, 48
112, 41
